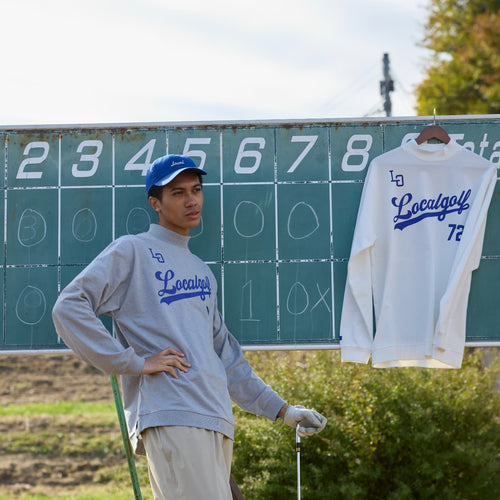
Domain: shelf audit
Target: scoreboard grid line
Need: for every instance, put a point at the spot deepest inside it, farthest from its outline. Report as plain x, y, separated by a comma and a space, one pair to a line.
330, 201
276, 238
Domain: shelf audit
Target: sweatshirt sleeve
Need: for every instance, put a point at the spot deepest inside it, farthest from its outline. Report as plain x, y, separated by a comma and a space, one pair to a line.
246, 389
98, 289
452, 308
356, 324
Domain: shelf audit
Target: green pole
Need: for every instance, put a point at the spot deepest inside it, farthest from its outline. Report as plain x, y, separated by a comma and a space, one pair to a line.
126, 442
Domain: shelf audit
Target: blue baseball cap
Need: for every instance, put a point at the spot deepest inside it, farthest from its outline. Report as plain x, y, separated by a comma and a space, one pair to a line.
166, 168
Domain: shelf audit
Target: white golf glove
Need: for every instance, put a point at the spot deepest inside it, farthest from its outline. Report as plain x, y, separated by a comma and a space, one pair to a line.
309, 421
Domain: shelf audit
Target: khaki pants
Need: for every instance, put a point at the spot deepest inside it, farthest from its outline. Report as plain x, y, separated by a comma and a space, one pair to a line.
187, 463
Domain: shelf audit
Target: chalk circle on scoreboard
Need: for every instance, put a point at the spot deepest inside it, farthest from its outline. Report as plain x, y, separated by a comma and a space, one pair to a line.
306, 302
86, 223
249, 222
30, 294
32, 228
134, 212
304, 221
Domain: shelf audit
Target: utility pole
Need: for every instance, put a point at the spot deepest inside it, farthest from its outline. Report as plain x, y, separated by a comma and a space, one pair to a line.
386, 86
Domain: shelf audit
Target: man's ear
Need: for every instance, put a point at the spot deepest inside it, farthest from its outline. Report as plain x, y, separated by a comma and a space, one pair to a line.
154, 203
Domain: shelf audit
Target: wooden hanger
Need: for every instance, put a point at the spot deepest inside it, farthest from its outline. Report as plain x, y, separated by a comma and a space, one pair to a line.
433, 132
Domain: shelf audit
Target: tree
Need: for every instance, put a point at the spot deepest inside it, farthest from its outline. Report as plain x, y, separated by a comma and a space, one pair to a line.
463, 74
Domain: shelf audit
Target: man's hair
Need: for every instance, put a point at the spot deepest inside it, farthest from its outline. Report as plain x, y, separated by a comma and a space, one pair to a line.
157, 191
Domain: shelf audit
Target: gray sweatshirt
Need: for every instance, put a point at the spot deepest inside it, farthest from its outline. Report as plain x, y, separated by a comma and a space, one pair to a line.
161, 295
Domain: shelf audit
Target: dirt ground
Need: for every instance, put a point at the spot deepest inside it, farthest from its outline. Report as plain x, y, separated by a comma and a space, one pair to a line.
44, 378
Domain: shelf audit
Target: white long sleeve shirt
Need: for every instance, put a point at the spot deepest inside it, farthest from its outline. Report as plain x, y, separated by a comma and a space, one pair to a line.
418, 237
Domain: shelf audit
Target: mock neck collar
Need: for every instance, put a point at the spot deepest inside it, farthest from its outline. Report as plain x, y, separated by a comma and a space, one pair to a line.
169, 236
432, 152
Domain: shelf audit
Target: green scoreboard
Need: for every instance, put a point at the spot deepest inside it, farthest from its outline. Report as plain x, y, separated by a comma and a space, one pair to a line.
281, 200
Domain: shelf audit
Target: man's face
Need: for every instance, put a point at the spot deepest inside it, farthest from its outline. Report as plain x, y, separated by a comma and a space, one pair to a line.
182, 201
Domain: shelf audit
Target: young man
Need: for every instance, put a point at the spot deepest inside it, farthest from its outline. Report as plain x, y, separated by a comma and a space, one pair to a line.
179, 365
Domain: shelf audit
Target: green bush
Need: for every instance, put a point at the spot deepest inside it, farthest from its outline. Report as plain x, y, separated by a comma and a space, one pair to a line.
391, 434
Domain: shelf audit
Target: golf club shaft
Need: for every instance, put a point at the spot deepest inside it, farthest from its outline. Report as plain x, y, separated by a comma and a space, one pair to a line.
297, 449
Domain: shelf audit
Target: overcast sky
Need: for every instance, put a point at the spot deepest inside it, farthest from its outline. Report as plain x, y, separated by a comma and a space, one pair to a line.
128, 61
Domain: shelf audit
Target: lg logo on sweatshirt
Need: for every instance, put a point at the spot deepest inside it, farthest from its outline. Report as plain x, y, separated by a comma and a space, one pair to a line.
410, 212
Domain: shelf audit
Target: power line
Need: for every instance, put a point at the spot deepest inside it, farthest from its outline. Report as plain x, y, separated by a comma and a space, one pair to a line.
403, 93
378, 108
362, 81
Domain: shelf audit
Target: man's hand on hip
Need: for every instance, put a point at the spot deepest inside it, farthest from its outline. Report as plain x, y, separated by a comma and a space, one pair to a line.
168, 360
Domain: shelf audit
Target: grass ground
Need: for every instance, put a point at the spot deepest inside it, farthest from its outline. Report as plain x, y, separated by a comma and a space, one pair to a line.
59, 432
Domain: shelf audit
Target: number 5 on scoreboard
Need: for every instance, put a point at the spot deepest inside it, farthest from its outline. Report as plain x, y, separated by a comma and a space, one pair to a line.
199, 153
